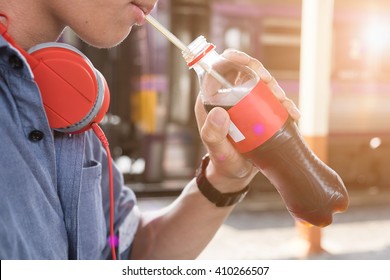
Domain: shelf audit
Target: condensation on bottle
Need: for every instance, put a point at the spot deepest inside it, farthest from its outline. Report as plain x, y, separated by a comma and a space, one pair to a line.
262, 131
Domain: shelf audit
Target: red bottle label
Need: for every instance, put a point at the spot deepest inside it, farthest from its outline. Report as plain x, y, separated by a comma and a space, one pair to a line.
256, 118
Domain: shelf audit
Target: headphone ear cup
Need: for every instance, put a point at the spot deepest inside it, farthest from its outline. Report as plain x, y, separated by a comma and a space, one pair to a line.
74, 93
106, 99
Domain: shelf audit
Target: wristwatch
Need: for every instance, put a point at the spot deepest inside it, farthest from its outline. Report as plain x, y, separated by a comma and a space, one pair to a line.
211, 193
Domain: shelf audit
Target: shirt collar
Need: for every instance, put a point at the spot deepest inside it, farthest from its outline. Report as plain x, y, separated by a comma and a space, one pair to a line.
5, 44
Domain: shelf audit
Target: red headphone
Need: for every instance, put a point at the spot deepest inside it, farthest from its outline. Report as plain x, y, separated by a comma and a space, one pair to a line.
75, 95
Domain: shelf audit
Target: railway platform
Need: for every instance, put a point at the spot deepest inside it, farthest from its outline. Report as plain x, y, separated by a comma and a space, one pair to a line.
260, 228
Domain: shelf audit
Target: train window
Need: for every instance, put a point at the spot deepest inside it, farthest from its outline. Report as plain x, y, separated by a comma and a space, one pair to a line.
237, 38
280, 43
361, 49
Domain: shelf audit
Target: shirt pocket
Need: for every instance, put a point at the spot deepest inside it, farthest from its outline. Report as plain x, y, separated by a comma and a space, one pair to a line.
92, 225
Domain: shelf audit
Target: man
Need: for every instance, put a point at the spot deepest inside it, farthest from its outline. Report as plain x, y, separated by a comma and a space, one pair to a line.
54, 186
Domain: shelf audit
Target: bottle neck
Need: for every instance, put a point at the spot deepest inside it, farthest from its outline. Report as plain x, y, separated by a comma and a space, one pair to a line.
197, 50
201, 55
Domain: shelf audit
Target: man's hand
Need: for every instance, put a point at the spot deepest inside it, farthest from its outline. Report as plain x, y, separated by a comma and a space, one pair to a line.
228, 170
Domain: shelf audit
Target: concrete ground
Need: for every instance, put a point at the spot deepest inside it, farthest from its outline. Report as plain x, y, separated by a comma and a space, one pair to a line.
261, 228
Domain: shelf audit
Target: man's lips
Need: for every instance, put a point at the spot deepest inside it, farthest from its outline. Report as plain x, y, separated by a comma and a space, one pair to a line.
139, 15
141, 10
145, 8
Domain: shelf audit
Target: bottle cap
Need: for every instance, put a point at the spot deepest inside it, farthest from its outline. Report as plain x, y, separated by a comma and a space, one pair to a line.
196, 50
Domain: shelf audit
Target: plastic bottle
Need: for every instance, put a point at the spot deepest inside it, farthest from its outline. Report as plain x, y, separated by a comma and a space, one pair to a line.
263, 132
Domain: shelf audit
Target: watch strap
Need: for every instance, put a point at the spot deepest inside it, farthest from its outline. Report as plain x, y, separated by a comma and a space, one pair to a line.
212, 194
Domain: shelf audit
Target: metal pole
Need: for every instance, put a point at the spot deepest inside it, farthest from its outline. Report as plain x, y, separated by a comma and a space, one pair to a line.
315, 89
189, 19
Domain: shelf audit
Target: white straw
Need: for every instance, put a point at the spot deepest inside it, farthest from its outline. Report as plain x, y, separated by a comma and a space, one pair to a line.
184, 48
166, 33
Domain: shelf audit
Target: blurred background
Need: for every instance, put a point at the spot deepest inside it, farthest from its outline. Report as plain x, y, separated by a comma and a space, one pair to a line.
154, 138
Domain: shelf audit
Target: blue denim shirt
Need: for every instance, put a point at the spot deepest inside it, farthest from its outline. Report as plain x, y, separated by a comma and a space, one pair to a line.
54, 191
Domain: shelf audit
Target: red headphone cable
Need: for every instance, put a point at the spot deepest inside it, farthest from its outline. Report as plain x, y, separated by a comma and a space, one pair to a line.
4, 32
103, 139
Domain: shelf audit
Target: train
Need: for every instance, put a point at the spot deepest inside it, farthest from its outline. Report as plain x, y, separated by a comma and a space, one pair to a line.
359, 115
158, 142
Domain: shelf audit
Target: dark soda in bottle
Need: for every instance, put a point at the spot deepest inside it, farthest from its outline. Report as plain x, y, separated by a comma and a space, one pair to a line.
263, 132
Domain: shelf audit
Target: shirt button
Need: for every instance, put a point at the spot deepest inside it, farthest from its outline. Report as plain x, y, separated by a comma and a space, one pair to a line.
36, 135
15, 62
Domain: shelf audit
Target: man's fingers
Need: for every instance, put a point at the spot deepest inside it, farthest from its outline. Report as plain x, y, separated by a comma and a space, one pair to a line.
258, 67
214, 132
244, 59
291, 109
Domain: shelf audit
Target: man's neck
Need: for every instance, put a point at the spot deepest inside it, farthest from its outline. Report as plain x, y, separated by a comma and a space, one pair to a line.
27, 23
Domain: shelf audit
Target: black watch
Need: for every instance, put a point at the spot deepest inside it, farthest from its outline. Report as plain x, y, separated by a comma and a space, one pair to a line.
211, 193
